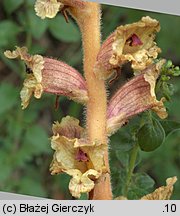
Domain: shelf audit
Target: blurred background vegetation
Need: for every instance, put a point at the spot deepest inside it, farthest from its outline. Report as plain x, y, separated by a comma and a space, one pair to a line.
25, 152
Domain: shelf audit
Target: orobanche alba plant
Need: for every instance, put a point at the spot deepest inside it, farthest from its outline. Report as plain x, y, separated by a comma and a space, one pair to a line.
81, 152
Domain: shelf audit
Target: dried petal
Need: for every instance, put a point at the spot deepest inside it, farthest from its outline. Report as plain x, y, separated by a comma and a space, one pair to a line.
19, 52
96, 156
150, 75
82, 182
47, 8
49, 75
34, 63
134, 97
162, 193
132, 42
31, 86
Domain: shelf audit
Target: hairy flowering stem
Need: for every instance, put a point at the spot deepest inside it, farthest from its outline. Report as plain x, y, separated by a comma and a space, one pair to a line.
89, 22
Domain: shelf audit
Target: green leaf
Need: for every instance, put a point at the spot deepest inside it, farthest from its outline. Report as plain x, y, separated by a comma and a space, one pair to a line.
23, 155
11, 64
75, 110
37, 140
32, 187
9, 97
119, 178
61, 30
150, 136
123, 139
11, 5
170, 126
8, 31
37, 48
14, 126
6, 171
37, 26
141, 185
176, 72
143, 180
5, 166
123, 158
30, 116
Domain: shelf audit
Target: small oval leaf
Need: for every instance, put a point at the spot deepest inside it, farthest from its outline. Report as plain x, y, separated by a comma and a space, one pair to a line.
150, 136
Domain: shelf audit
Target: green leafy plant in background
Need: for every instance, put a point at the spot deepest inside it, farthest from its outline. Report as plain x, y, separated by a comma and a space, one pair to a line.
27, 146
